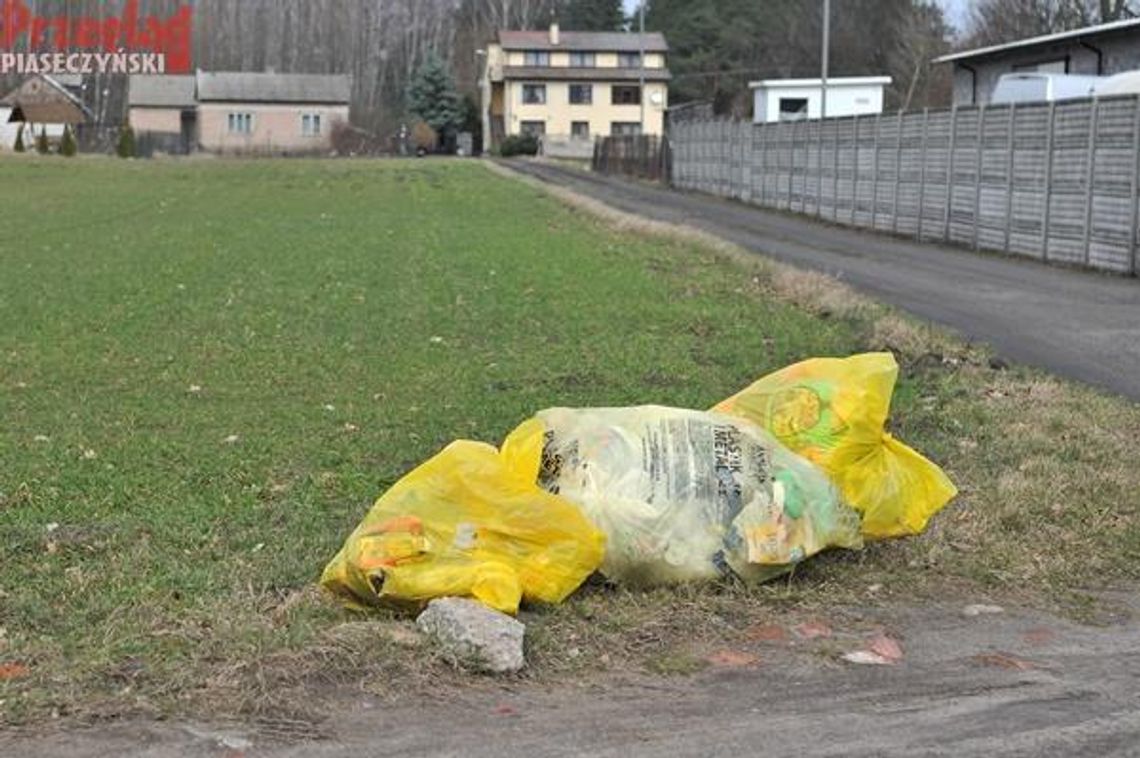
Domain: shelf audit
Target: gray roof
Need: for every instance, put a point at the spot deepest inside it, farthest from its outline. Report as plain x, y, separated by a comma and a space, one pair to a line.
625, 42
232, 86
1123, 25
161, 91
584, 75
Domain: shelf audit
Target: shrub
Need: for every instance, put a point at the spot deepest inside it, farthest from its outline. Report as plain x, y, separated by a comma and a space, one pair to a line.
519, 144
20, 147
67, 145
43, 147
424, 138
126, 146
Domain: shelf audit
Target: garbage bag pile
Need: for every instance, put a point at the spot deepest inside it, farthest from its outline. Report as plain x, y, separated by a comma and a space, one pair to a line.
796, 463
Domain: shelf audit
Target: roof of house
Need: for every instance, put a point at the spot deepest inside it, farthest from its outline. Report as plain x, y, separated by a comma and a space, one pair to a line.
584, 75
839, 81
41, 99
1045, 39
228, 86
161, 91
624, 42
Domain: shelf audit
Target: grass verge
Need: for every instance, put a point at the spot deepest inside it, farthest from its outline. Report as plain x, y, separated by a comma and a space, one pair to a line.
209, 370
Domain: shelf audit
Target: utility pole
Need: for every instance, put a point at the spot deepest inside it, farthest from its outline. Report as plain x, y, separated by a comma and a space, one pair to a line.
823, 59
641, 62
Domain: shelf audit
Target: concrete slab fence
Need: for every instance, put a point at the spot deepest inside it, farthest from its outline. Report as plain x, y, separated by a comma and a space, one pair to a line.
1051, 181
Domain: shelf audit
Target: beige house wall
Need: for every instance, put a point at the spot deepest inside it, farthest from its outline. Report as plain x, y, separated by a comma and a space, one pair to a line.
167, 120
558, 113
276, 127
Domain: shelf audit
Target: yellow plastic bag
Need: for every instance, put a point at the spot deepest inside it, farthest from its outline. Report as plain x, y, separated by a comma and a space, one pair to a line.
832, 411
466, 524
684, 495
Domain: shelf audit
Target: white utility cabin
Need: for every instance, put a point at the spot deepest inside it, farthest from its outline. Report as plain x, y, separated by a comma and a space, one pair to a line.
796, 99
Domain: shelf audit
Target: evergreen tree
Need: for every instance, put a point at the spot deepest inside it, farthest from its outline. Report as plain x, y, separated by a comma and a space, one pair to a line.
67, 146
593, 16
43, 147
432, 97
126, 146
20, 147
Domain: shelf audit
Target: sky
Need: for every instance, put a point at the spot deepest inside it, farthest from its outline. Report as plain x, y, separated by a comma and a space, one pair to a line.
956, 10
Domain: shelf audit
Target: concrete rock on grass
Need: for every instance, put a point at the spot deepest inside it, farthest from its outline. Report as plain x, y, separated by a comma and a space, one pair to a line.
475, 635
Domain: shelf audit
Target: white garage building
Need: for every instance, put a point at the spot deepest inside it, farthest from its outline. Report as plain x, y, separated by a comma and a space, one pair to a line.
795, 99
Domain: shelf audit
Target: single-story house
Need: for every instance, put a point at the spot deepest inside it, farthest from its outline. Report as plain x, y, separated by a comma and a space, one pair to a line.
795, 99
41, 103
270, 113
164, 110
1100, 50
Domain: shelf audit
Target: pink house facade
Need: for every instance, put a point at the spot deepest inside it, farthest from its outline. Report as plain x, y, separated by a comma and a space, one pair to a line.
243, 113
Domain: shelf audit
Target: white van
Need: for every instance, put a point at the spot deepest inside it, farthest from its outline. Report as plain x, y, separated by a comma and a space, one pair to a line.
1037, 86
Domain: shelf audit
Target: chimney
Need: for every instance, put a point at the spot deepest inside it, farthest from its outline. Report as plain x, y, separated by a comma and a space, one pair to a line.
554, 32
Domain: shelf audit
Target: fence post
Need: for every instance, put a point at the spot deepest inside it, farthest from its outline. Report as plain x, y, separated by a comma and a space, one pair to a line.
1132, 210
950, 173
1048, 181
835, 173
792, 164
746, 165
875, 171
898, 174
978, 172
922, 175
763, 164
1090, 164
819, 170
806, 141
855, 172
1009, 174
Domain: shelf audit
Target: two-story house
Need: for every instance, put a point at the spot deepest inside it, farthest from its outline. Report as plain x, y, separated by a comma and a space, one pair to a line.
574, 84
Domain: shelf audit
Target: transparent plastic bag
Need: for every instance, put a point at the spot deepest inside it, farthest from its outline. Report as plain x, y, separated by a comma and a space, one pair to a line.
684, 495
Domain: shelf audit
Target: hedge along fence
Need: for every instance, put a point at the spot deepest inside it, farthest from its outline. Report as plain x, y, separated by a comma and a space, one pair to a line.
1052, 181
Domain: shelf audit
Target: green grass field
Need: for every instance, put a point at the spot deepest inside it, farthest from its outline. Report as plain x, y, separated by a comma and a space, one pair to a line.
208, 370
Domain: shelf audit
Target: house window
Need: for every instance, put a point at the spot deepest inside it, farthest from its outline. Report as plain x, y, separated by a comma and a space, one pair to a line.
536, 58
625, 128
793, 108
240, 123
311, 125
581, 94
626, 95
534, 94
533, 128
629, 60
581, 60
580, 129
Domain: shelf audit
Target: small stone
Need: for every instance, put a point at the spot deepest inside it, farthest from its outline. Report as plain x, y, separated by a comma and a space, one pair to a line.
232, 439
474, 634
811, 630
979, 610
866, 657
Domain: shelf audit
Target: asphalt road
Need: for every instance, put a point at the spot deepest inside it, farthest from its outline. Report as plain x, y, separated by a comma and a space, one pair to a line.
1077, 324
1015, 683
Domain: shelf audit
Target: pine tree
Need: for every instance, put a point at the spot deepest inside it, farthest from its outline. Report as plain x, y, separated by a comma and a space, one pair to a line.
126, 146
19, 146
593, 16
43, 147
67, 146
431, 96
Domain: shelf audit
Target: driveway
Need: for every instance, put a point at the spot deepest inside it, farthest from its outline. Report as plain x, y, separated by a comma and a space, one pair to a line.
1077, 324
999, 685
